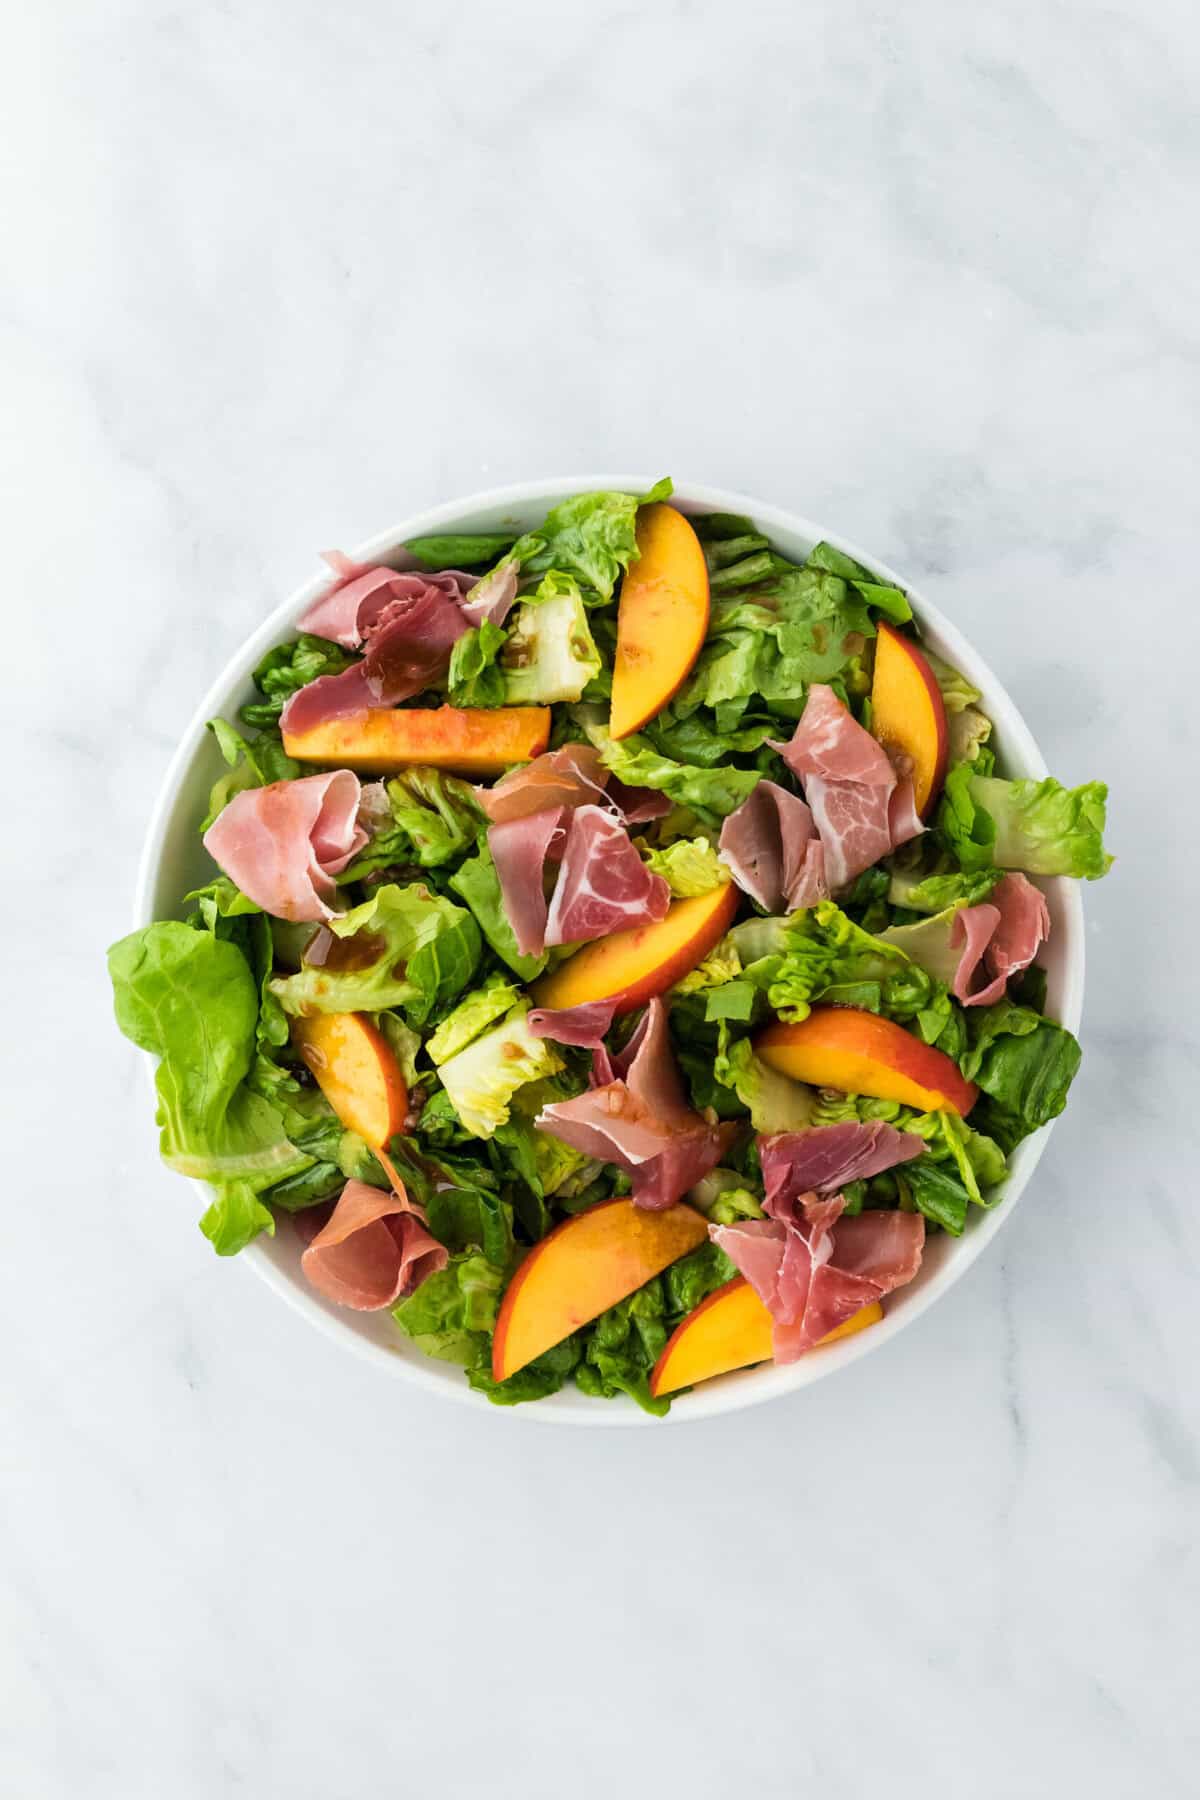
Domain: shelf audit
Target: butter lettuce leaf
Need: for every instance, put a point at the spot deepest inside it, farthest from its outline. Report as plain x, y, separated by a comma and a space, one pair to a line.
406, 947
190, 998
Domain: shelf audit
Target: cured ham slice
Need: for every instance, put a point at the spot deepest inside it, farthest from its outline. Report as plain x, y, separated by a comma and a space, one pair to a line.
572, 776
348, 610
861, 808
373, 1248
521, 848
640, 1119
999, 937
603, 885
771, 847
283, 844
408, 624
796, 1164
815, 1273
583, 1025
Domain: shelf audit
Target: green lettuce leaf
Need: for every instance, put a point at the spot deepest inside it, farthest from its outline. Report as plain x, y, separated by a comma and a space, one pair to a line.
476, 882
435, 820
1023, 1064
471, 1017
460, 549
1038, 826
453, 1313
475, 677
482, 1078
288, 667
590, 536
550, 654
917, 891
621, 1347
190, 998
405, 947
253, 763
710, 793
690, 867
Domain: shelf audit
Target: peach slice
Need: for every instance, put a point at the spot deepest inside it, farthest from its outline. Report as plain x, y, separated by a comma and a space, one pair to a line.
356, 1070
465, 740
731, 1330
908, 715
632, 966
583, 1267
662, 618
860, 1053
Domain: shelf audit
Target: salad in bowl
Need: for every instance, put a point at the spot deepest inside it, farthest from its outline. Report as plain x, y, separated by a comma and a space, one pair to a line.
617, 954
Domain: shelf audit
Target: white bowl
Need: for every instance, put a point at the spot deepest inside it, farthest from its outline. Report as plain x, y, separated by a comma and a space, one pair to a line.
173, 861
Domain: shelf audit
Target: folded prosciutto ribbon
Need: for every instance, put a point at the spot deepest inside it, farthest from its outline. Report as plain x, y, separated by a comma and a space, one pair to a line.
636, 1116
811, 1267
788, 853
558, 812
407, 624
999, 938
371, 1249
283, 844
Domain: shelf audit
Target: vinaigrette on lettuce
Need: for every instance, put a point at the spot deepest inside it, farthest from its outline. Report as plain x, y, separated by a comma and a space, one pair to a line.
405, 947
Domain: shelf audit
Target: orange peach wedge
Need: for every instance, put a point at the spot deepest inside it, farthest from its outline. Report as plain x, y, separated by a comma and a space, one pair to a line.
583, 1267
662, 618
465, 740
731, 1330
356, 1070
908, 715
632, 966
860, 1053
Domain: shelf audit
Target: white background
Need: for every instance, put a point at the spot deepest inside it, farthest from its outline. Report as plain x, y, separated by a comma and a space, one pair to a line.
276, 274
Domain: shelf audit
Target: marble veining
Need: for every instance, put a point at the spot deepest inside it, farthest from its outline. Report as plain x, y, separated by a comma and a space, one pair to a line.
278, 275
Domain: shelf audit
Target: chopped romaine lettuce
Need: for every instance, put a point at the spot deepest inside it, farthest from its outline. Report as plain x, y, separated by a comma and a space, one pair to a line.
550, 654
482, 1079
1038, 826
690, 867
471, 1017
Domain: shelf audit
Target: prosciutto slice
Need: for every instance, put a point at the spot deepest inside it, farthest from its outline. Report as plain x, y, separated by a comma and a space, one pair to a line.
999, 937
583, 1025
283, 844
373, 1249
639, 1119
603, 885
521, 848
815, 1273
347, 611
572, 776
771, 847
796, 1164
862, 809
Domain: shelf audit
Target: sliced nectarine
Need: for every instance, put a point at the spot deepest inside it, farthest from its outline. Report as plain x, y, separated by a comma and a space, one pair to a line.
731, 1330
860, 1053
466, 740
356, 1070
632, 966
662, 618
583, 1267
908, 715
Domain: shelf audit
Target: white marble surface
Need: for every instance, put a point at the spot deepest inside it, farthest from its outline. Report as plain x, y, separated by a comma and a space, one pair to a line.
278, 274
